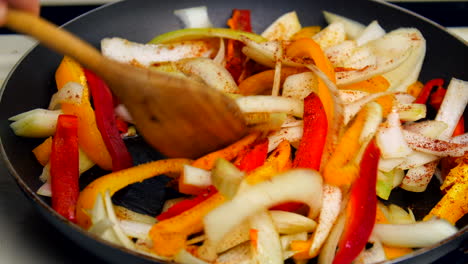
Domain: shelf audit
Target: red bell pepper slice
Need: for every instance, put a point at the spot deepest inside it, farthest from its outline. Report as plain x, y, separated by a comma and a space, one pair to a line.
235, 59
426, 90
64, 170
361, 209
106, 122
254, 156
309, 153
185, 205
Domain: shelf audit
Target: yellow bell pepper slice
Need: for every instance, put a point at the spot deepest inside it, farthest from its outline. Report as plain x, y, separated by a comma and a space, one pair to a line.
118, 180
89, 137
306, 32
42, 152
341, 170
454, 204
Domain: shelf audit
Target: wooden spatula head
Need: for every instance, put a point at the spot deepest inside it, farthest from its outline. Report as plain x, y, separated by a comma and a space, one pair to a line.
177, 116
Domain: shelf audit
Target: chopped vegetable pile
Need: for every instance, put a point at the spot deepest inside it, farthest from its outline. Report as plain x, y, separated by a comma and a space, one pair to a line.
337, 118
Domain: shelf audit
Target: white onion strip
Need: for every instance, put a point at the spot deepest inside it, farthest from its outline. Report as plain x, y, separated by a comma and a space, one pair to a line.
432, 146
295, 185
271, 104
420, 234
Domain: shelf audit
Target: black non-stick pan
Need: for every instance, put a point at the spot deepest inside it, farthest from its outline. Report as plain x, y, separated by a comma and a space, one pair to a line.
32, 83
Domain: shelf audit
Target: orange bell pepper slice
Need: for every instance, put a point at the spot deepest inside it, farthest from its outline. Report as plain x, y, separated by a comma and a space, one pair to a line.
307, 48
306, 32
207, 162
341, 170
263, 81
374, 85
170, 236
42, 152
89, 137
118, 180
276, 162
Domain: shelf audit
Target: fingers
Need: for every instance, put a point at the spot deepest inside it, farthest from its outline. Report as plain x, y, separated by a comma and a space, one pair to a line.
26, 5
31, 6
3, 10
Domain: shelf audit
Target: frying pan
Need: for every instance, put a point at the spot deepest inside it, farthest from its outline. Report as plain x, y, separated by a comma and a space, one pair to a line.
31, 85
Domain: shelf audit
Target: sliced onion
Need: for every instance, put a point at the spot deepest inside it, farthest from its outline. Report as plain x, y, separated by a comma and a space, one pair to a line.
331, 35
416, 159
270, 104
220, 56
404, 98
194, 176
126, 242
461, 139
389, 164
411, 112
391, 51
375, 254
340, 52
353, 28
432, 146
267, 248
417, 179
210, 72
350, 110
135, 229
277, 76
291, 223
283, 28
327, 254
184, 257
123, 213
420, 234
71, 92
240, 254
390, 138
194, 17
295, 185
37, 123
398, 215
360, 59
146, 55
300, 85
428, 128
286, 242
453, 106
291, 134
408, 72
350, 96
331, 205
261, 52
226, 178
371, 32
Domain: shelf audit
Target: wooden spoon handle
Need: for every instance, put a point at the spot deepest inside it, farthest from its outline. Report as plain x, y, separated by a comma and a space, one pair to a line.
54, 38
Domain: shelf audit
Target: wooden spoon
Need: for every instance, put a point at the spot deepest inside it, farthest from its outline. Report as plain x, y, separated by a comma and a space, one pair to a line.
178, 117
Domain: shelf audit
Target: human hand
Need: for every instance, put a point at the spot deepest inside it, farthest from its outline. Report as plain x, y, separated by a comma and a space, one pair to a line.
31, 6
